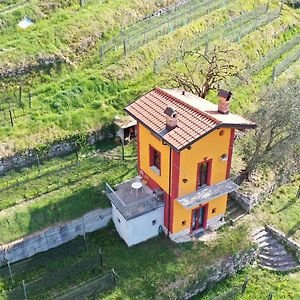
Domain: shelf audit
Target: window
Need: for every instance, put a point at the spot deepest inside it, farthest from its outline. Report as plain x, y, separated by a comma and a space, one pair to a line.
155, 160
213, 210
119, 220
203, 176
153, 222
183, 223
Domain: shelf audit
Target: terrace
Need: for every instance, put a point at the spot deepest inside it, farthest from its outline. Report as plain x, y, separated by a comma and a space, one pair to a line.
133, 203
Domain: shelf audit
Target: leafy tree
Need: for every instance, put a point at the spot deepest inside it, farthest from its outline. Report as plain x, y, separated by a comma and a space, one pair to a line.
276, 141
201, 73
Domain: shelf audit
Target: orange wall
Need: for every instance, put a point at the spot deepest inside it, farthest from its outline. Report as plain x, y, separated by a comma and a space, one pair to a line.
212, 147
146, 139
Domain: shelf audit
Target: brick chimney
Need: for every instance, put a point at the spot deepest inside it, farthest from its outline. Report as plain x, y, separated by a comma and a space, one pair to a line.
224, 101
171, 117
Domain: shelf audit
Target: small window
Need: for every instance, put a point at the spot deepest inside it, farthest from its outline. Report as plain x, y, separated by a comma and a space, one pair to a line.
213, 210
119, 220
221, 132
203, 173
154, 222
155, 160
183, 222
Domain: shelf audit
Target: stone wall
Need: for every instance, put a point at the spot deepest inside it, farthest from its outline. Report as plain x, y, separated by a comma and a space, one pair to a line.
280, 236
219, 271
54, 236
31, 157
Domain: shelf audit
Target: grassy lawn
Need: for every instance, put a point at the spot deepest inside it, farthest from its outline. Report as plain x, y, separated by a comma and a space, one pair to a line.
261, 283
60, 192
67, 101
149, 270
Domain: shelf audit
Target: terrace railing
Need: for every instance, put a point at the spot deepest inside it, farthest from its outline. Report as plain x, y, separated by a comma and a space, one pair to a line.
135, 208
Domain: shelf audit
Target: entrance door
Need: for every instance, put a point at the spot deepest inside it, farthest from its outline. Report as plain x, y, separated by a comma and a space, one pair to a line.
198, 218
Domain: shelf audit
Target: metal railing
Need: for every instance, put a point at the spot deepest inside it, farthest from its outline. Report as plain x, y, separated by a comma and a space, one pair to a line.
135, 208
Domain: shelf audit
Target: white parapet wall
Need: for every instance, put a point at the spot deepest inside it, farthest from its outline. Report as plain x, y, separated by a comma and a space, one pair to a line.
139, 229
54, 236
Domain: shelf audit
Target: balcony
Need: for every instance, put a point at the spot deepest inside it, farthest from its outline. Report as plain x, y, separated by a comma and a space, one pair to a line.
131, 203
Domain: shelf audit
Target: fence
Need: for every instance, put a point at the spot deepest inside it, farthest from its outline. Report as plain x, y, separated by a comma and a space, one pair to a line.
230, 30
285, 63
90, 288
17, 271
61, 279
147, 30
274, 54
234, 292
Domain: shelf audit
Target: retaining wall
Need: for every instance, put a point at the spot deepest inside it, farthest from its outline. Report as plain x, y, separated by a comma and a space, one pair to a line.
30, 157
220, 271
54, 236
279, 235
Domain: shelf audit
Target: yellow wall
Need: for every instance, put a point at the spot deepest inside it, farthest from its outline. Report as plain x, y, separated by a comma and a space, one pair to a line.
146, 139
181, 214
211, 147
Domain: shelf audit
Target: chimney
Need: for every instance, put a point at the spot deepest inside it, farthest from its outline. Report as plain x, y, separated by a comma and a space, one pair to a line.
171, 117
224, 101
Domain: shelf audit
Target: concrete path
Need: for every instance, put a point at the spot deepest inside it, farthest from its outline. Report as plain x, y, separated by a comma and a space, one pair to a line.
272, 254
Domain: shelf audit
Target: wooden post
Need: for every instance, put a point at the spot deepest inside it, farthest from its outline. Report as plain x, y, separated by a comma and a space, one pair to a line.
273, 74
81, 3
124, 47
85, 244
30, 100
101, 53
244, 286
24, 288
298, 193
281, 7
270, 297
101, 257
11, 118
10, 272
38, 162
114, 276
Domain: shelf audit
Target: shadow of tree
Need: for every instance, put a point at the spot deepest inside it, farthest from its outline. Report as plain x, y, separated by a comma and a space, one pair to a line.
288, 204
294, 229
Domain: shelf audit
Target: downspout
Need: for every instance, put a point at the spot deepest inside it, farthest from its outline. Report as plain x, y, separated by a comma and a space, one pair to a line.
169, 208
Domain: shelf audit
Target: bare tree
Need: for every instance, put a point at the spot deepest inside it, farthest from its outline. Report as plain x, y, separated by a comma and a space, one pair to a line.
204, 72
276, 141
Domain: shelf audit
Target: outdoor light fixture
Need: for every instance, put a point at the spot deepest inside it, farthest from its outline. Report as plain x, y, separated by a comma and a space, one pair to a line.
224, 157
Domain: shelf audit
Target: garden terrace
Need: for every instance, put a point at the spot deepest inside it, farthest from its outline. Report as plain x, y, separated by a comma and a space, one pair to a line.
132, 203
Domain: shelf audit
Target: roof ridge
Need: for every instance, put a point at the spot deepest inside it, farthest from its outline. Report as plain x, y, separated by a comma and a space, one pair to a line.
187, 105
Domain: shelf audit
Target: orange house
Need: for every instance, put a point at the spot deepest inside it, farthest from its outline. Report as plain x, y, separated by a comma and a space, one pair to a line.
185, 148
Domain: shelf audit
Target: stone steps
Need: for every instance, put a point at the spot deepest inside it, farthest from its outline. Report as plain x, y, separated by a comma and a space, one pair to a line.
272, 254
234, 211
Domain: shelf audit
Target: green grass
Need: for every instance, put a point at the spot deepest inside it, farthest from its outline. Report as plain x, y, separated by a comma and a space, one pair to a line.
260, 284
67, 101
149, 269
59, 192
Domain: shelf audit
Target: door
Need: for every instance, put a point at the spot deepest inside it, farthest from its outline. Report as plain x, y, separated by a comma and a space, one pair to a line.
199, 218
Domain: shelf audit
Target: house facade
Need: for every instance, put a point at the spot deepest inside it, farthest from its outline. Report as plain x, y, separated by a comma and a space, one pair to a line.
185, 148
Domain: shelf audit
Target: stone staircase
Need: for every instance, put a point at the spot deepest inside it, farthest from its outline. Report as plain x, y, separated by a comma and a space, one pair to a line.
272, 254
234, 211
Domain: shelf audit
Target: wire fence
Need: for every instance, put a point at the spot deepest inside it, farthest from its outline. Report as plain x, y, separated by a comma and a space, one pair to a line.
91, 288
274, 54
145, 31
17, 272
232, 30
61, 279
285, 63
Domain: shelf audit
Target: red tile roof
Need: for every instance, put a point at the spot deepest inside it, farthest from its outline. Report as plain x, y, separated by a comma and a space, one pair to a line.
192, 123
